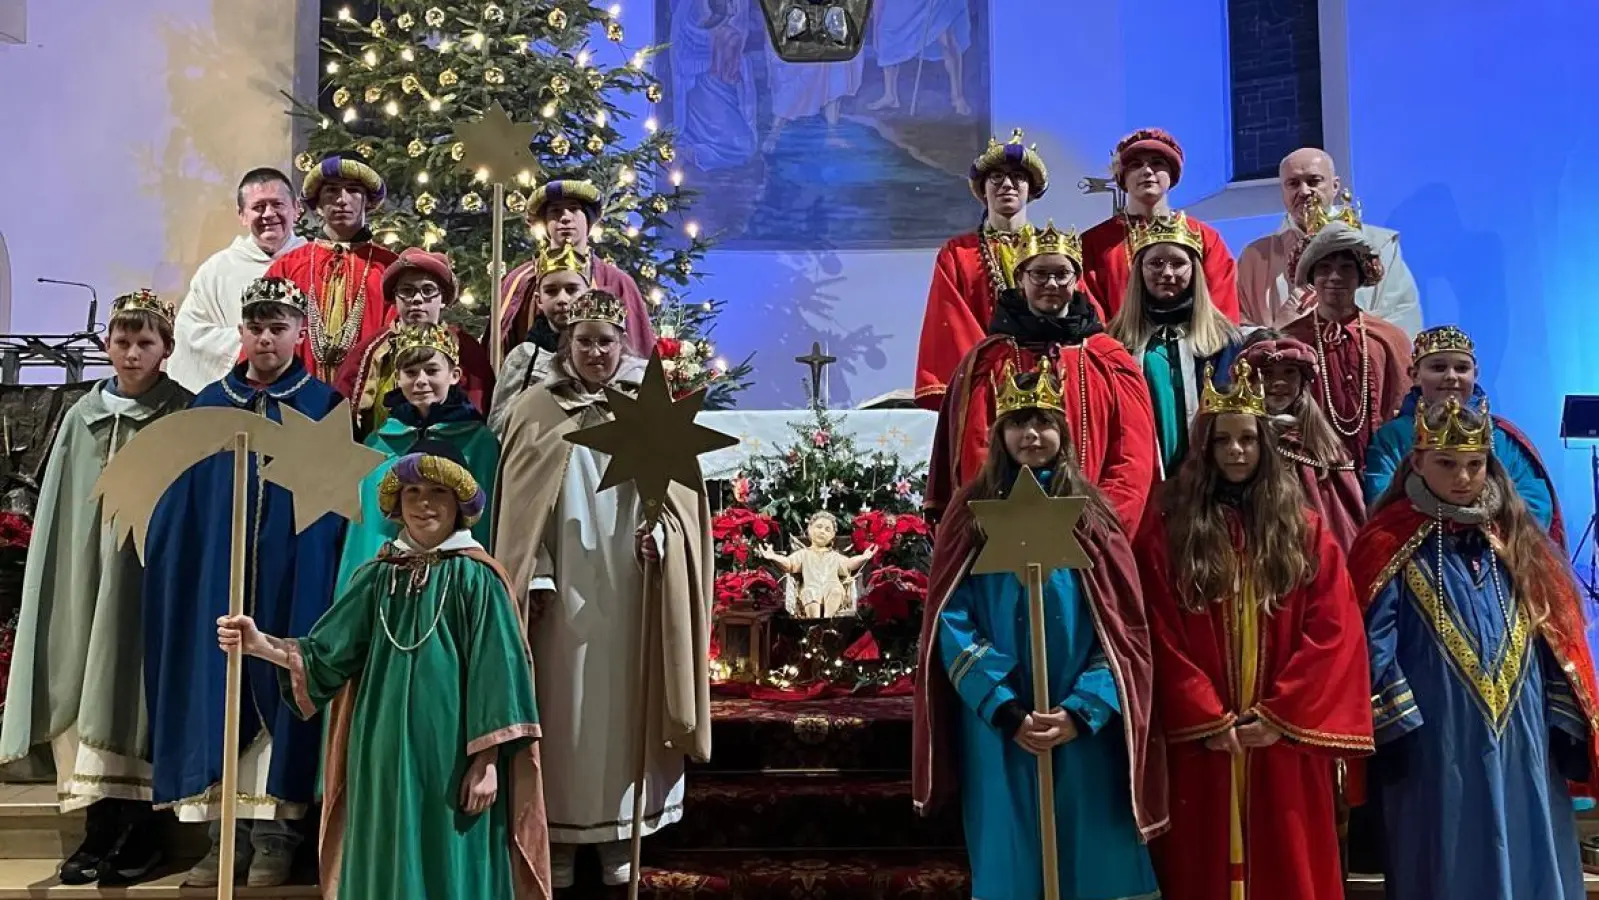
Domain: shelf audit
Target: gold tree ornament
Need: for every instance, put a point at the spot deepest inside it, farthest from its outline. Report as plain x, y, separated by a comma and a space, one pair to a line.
559, 85
406, 21
1029, 528
653, 93
377, 28
341, 97
305, 162
560, 145
557, 19
471, 202
492, 13
434, 17
426, 203
613, 30
410, 84
494, 75
448, 78
595, 144
667, 153
596, 79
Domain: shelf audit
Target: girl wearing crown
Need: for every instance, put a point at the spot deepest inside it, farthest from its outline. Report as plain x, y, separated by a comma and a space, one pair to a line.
558, 280
577, 554
976, 731
1482, 682
1304, 438
1049, 318
1260, 664
1444, 365
1170, 323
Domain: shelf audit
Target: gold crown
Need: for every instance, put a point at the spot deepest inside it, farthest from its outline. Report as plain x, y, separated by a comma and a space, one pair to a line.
599, 306
1012, 152
1169, 229
1318, 216
1454, 435
143, 299
1443, 339
1066, 243
1045, 393
1245, 396
565, 258
434, 337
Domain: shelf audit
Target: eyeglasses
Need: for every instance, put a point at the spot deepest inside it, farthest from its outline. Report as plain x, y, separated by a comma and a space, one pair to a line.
412, 292
1062, 277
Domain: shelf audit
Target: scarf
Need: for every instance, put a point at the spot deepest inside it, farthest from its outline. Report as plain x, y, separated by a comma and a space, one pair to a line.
1179, 314
454, 408
1013, 317
1484, 511
543, 335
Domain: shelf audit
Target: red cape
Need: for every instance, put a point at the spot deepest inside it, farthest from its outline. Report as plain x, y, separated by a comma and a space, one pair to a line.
517, 305
359, 374
308, 266
1106, 266
1117, 452
1111, 589
1335, 494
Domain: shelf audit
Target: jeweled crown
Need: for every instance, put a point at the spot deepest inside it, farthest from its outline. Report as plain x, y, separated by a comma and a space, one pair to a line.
1454, 434
599, 306
565, 258
1169, 229
1044, 394
1012, 152
276, 290
1317, 215
143, 299
433, 337
1443, 339
1245, 396
1051, 240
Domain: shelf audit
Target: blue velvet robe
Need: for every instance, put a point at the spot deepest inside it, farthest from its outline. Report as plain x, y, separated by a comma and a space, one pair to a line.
289, 585
1471, 767
1392, 443
985, 646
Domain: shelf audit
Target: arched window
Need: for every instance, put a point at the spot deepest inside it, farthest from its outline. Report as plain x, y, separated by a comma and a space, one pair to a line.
1275, 55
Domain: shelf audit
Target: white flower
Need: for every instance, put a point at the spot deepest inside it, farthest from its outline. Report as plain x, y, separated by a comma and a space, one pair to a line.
669, 367
687, 350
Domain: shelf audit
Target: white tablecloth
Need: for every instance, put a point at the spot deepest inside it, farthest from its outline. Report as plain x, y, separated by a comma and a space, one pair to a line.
906, 434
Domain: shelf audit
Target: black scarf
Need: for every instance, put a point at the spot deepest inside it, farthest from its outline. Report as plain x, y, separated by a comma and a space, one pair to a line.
1180, 312
1232, 494
1014, 318
543, 334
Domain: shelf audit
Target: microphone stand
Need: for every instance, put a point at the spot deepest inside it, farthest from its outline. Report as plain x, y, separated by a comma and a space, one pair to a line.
72, 352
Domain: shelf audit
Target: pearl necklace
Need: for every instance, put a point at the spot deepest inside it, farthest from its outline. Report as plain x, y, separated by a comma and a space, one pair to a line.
1362, 412
1493, 576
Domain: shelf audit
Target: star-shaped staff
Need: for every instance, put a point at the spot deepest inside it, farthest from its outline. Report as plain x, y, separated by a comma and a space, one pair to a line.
1026, 534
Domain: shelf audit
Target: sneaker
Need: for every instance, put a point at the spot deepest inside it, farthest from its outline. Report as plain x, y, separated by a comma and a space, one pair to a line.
86, 863
563, 865
270, 868
208, 871
616, 863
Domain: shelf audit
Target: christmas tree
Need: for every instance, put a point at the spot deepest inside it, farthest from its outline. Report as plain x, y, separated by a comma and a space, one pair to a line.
399, 75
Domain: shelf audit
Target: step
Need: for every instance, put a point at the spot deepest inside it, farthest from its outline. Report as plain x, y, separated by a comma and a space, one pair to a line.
839, 734
34, 878
786, 811
928, 875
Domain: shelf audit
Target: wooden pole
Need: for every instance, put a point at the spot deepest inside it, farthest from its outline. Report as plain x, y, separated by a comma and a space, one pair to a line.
1046, 764
230, 712
497, 278
646, 656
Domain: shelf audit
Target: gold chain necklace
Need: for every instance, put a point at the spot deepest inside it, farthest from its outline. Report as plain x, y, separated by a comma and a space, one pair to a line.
417, 569
1363, 411
330, 353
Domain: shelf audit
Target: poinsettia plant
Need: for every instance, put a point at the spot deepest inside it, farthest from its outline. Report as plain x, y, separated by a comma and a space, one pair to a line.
16, 531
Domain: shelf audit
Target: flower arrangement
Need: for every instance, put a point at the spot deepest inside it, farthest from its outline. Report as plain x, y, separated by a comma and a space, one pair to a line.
689, 365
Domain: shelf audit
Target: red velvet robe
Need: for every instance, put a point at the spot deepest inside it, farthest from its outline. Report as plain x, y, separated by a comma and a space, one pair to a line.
960, 304
1313, 684
517, 305
1111, 588
1106, 269
364, 372
364, 263
1334, 493
1389, 368
1116, 453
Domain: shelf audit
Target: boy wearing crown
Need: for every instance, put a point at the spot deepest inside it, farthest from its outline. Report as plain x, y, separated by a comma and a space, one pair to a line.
1444, 365
426, 404
558, 282
431, 770
1147, 164
973, 269
341, 272
1260, 663
76, 674
1047, 317
1362, 362
566, 211
288, 585
977, 729
1482, 681
419, 285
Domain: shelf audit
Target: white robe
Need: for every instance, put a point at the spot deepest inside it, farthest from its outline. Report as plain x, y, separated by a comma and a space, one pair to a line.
206, 339
585, 653
1268, 297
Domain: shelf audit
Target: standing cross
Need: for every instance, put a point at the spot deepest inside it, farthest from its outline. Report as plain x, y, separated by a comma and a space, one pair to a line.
817, 361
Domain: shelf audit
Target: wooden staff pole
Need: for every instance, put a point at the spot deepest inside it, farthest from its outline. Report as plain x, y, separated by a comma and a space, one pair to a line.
1046, 762
646, 656
235, 676
497, 278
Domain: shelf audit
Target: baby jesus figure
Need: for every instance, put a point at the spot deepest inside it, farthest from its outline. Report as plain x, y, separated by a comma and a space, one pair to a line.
824, 572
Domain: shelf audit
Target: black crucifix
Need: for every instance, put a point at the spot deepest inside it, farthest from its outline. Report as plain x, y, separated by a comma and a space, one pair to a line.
817, 361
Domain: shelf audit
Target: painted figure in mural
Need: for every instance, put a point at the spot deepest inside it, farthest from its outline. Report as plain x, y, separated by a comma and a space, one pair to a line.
1482, 680
1362, 361
973, 269
340, 272
1147, 164
207, 331
1267, 294
919, 31
826, 576
713, 89
801, 90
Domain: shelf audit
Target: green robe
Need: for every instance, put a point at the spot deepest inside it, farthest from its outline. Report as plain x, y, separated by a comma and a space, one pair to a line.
78, 660
395, 438
417, 717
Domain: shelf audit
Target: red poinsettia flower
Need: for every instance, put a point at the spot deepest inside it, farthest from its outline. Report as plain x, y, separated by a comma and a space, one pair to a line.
893, 593
669, 347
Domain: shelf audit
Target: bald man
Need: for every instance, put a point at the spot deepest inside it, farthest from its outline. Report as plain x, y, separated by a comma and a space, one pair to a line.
1266, 292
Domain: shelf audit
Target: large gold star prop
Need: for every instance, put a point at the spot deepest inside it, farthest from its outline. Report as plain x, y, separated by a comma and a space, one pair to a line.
495, 145
1029, 528
320, 464
653, 440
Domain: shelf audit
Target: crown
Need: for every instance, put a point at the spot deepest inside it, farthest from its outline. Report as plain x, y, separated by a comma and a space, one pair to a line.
1066, 243
1045, 393
433, 337
565, 258
1245, 396
1443, 339
1170, 229
1317, 215
281, 291
599, 306
1454, 435
143, 299
1012, 152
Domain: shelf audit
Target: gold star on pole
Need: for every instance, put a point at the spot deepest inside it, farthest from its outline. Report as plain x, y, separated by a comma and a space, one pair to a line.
1029, 528
320, 465
495, 143
653, 441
